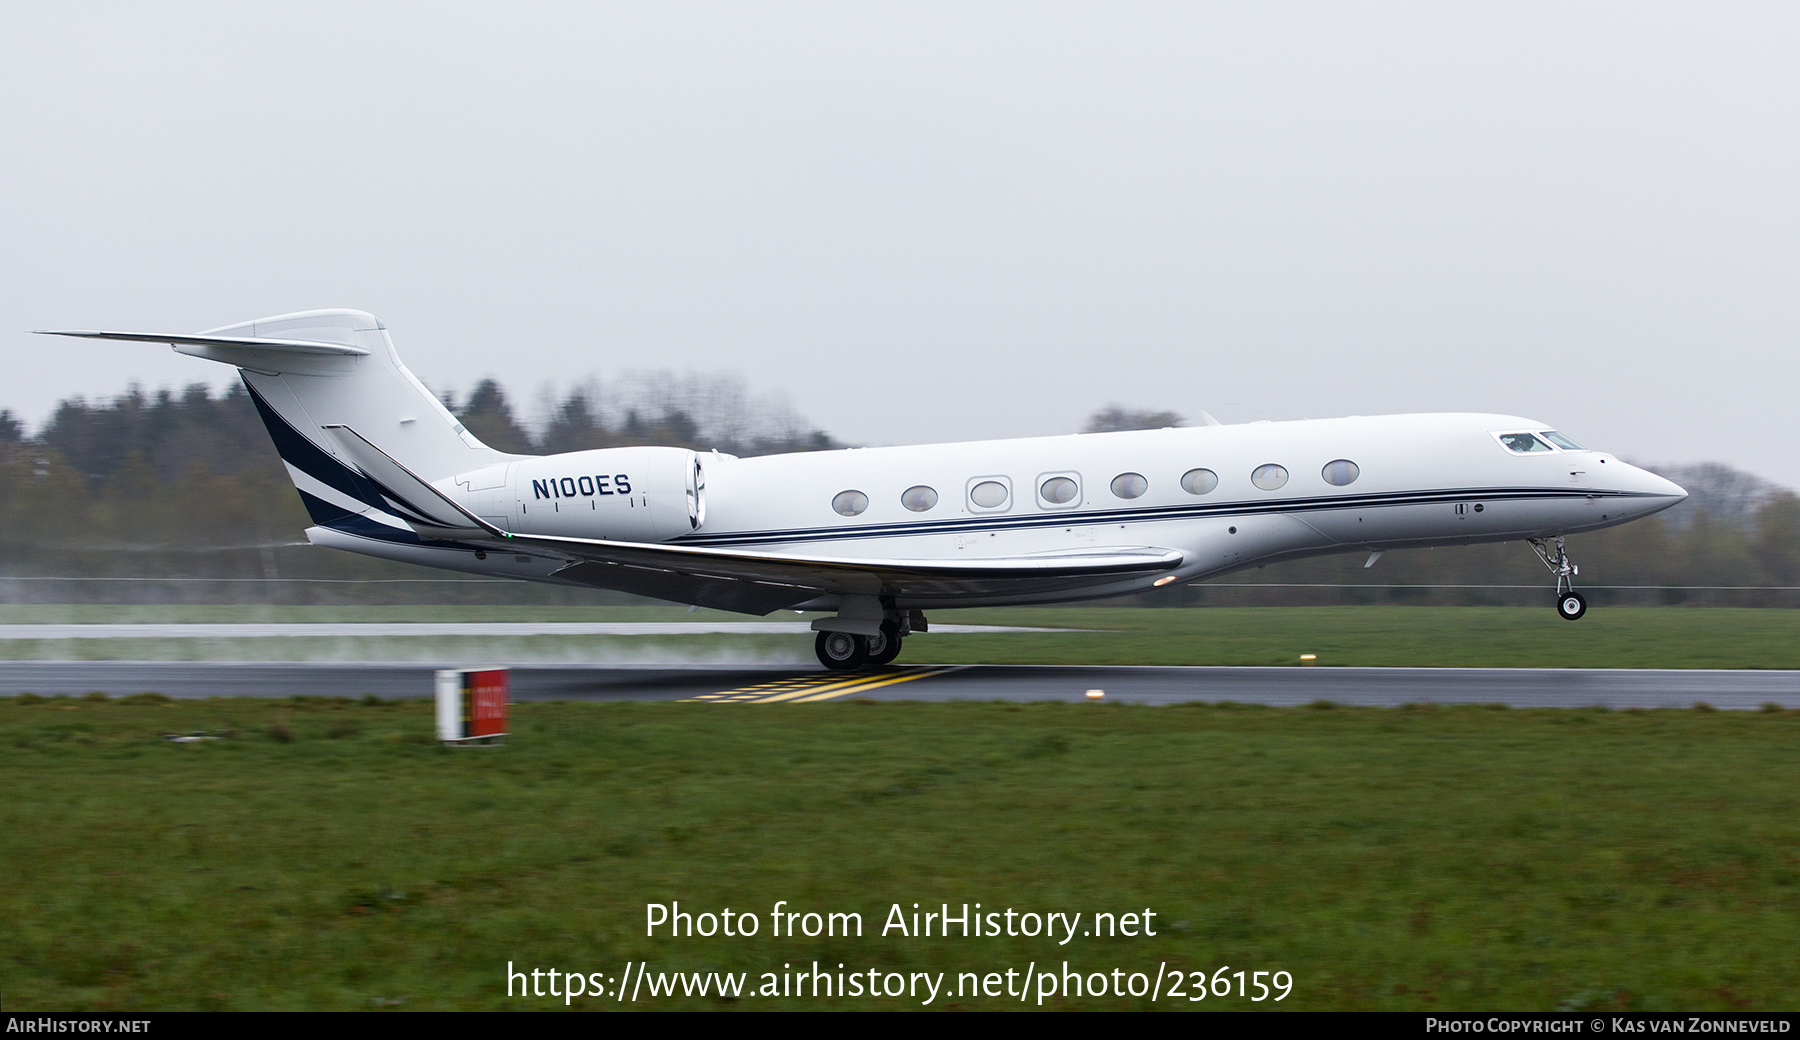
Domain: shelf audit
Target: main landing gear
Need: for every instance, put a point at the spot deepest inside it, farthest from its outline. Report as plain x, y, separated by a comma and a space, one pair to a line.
1570, 605
845, 651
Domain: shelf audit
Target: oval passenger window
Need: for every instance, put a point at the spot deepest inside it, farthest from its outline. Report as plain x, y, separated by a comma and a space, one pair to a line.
1199, 481
1269, 477
988, 494
918, 498
1130, 485
1341, 472
849, 503
1058, 491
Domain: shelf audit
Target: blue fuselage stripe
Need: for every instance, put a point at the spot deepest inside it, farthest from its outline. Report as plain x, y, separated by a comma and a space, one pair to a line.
1151, 514
1221, 510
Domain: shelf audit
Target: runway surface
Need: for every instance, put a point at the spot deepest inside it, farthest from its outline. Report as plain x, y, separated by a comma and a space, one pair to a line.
1521, 687
250, 630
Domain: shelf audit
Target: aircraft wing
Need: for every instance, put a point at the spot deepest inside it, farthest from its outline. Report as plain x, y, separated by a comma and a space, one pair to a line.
748, 581
758, 582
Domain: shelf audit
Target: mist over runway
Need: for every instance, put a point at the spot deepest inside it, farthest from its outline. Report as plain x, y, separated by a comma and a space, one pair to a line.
1290, 686
390, 629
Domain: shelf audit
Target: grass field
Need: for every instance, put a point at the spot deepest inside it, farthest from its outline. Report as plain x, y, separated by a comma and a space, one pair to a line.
1421, 637
327, 855
1497, 637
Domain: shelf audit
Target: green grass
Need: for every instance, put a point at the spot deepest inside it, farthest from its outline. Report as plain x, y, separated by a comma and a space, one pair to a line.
1490, 637
1412, 637
1404, 859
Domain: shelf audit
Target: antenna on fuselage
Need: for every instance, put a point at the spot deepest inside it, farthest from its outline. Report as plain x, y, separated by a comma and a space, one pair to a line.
1206, 417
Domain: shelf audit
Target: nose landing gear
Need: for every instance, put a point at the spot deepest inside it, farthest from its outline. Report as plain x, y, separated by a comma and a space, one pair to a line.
1570, 605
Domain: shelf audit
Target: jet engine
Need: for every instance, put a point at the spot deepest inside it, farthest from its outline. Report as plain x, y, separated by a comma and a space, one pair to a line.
617, 494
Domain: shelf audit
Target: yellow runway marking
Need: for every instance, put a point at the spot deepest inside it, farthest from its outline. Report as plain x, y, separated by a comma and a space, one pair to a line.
802, 689
877, 682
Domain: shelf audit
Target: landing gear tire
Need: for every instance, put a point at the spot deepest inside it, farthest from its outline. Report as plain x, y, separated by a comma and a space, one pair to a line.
841, 651
1570, 606
886, 646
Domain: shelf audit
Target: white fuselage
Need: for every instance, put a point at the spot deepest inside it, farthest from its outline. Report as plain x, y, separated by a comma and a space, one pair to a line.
1433, 479
385, 470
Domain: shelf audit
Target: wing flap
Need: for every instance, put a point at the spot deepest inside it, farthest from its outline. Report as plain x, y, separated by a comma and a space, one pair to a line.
743, 597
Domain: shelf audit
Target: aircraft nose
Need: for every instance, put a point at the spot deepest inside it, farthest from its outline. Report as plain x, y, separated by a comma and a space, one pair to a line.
1663, 487
1661, 490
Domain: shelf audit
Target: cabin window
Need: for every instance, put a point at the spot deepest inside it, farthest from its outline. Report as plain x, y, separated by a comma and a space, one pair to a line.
849, 503
1059, 491
989, 494
1199, 481
1522, 443
1341, 472
918, 498
1560, 441
1269, 476
1130, 485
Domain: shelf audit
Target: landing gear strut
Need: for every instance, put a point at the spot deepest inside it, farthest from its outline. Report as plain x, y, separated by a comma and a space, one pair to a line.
1570, 605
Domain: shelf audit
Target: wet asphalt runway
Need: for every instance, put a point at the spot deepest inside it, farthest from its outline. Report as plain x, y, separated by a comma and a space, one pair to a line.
1521, 687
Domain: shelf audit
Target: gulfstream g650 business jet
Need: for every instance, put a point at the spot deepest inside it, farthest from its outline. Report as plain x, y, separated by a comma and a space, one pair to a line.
876, 536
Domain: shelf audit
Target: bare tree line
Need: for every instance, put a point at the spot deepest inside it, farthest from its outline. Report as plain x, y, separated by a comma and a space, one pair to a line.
688, 410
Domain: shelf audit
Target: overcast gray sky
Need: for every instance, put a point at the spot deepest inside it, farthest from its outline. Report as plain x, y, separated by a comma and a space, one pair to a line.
937, 222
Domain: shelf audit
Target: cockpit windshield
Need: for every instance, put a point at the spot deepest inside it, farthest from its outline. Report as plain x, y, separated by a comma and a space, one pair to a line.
1559, 440
1522, 442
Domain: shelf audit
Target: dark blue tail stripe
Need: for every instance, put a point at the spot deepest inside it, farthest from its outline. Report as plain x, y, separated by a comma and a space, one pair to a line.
309, 458
322, 512
401, 508
363, 527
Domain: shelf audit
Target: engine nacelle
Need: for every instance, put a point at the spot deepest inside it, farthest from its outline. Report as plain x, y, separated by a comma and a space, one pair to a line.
619, 494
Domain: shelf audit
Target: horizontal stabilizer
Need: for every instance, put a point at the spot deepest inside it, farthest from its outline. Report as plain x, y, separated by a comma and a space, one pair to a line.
285, 346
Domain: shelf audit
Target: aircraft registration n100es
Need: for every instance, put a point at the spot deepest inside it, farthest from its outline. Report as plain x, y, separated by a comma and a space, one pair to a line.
877, 536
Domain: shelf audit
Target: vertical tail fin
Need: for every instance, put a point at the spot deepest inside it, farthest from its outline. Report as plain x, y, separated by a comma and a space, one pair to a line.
317, 369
